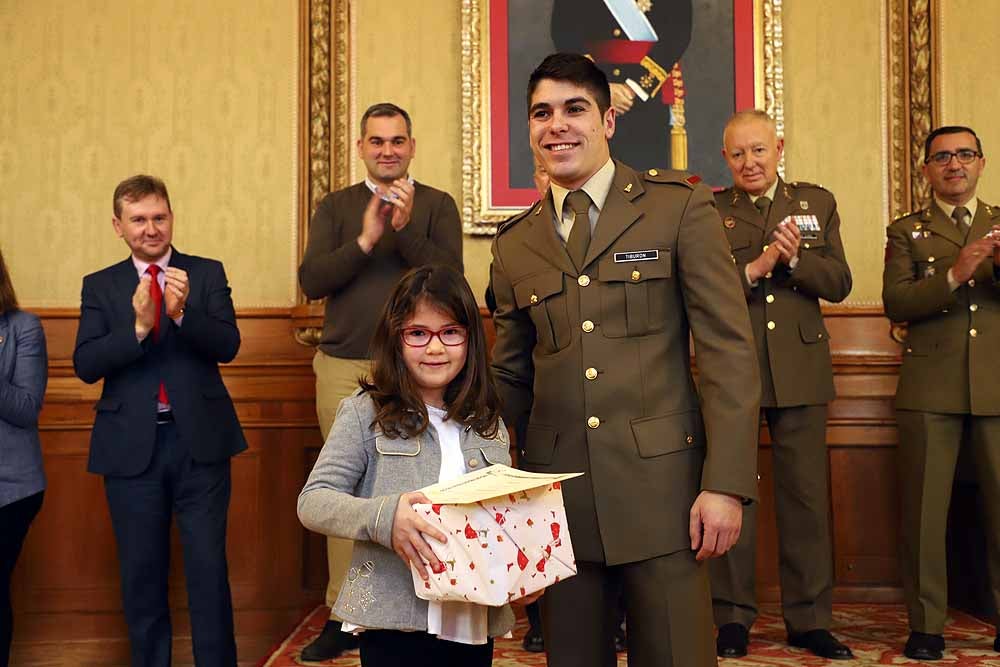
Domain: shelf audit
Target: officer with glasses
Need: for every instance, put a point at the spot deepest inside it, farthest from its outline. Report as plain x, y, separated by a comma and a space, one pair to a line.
942, 277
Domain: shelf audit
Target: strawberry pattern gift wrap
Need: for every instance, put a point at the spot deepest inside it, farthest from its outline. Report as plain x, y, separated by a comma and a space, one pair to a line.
502, 547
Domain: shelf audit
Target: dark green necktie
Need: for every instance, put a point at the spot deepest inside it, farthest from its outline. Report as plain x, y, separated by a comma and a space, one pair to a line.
763, 205
579, 236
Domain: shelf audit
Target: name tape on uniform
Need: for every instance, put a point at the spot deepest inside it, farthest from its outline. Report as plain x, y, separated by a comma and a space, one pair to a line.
637, 256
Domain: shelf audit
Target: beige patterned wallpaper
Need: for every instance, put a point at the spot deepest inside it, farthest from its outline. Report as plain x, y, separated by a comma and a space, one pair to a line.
969, 94
200, 93
835, 130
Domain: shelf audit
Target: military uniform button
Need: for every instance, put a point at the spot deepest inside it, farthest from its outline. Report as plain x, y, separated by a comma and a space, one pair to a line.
771, 325
590, 373
473, 463
689, 439
635, 276
593, 422
766, 246
616, 32
653, 172
931, 259
767, 275
973, 333
807, 246
819, 336
973, 307
587, 326
769, 298
616, 72
583, 280
909, 349
972, 282
534, 297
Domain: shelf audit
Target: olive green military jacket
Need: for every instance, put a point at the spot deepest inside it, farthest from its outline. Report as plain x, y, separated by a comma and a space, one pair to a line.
950, 360
596, 363
793, 345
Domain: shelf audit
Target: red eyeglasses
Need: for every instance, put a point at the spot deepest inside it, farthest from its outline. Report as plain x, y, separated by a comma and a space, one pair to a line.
421, 337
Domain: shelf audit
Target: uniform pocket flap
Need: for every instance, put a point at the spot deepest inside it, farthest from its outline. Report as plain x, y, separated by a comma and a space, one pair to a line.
655, 436
215, 391
739, 238
539, 444
397, 446
538, 287
809, 243
610, 271
107, 405
813, 332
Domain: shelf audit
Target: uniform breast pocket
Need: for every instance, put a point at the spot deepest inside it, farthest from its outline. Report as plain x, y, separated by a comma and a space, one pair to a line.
634, 295
544, 297
812, 241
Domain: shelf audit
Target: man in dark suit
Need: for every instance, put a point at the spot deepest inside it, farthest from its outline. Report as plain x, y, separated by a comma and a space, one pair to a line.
598, 288
785, 239
942, 273
154, 328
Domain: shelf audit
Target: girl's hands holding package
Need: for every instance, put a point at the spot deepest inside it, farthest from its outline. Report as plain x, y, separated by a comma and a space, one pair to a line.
408, 530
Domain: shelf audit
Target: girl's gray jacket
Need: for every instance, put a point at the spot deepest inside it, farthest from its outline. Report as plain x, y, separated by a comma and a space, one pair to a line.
352, 492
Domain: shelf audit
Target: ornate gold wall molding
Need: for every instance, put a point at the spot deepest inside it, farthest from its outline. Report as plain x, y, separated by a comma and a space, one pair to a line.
774, 69
913, 99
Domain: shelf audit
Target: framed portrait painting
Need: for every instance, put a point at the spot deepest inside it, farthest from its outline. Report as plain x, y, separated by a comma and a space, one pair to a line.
677, 69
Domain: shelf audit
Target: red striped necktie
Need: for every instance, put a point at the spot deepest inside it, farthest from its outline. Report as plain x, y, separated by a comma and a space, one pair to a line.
157, 294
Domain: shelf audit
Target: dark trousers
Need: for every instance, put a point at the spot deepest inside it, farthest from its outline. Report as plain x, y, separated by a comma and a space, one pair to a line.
141, 510
392, 648
929, 445
668, 610
15, 519
801, 472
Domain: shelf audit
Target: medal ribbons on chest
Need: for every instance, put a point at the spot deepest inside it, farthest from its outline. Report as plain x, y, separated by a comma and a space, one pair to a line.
808, 224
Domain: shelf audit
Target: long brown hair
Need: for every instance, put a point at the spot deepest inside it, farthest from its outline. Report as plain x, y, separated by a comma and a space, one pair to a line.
8, 300
470, 399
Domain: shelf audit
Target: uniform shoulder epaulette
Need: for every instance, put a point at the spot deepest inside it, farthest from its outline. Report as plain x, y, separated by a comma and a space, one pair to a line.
991, 210
514, 219
903, 216
806, 184
671, 176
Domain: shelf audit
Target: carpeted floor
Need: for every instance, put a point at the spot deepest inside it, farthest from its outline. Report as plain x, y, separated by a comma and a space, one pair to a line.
875, 633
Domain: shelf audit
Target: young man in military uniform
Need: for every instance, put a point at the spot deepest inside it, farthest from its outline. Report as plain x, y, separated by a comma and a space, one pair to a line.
785, 239
942, 274
595, 302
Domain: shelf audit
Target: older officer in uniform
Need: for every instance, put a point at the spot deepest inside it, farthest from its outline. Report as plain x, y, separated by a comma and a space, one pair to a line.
942, 276
597, 288
786, 244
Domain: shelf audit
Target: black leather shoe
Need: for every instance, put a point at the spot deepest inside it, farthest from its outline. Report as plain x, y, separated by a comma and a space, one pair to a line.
821, 643
732, 640
533, 642
329, 644
922, 646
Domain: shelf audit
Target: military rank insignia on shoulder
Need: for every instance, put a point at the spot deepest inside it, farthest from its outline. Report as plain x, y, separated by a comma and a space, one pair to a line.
672, 176
806, 184
903, 216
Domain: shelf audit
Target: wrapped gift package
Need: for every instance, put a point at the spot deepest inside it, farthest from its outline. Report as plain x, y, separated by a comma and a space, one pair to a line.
499, 548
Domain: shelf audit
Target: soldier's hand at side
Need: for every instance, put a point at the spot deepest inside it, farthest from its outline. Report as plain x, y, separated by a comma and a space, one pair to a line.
715, 524
408, 530
622, 97
145, 309
176, 293
373, 223
994, 233
786, 239
401, 192
971, 256
764, 263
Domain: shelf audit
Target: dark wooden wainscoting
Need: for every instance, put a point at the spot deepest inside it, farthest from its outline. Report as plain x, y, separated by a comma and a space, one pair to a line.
66, 584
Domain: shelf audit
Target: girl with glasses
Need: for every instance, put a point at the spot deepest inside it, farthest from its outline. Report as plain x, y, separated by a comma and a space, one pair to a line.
428, 413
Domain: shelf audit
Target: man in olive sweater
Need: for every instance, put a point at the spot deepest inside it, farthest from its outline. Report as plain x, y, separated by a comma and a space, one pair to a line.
362, 239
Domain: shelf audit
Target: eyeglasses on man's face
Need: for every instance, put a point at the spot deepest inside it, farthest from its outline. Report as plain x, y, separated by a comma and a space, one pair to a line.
964, 155
421, 336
